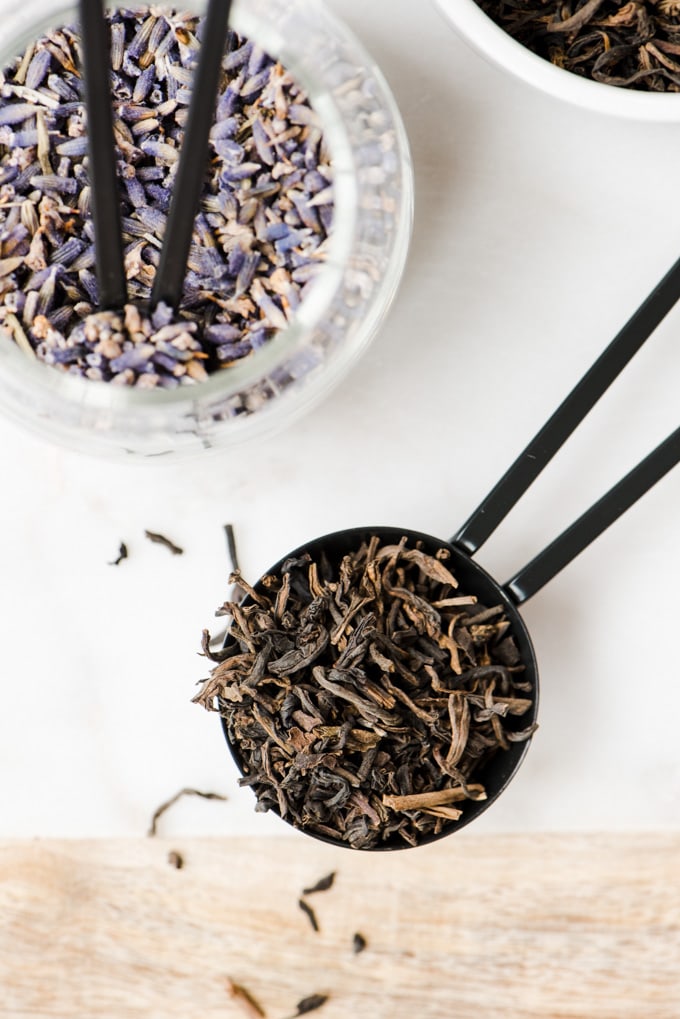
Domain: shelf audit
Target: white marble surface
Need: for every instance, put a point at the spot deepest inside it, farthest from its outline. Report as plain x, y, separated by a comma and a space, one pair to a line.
539, 228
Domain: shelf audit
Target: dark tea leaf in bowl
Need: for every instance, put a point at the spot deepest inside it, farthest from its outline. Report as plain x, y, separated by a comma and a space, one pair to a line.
632, 45
363, 696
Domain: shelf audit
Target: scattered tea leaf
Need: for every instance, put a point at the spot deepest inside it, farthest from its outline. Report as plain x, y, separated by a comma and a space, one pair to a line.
310, 1004
307, 909
218, 654
322, 885
160, 539
237, 590
249, 1006
122, 554
175, 860
178, 796
231, 547
418, 801
359, 943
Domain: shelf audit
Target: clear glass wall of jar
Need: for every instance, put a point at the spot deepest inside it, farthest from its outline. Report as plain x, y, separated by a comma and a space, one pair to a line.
342, 309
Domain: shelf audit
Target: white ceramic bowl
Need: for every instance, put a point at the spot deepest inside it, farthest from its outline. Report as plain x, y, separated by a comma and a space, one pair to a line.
493, 43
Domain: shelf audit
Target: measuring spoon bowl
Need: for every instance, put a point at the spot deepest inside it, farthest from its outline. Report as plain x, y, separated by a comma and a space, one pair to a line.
496, 774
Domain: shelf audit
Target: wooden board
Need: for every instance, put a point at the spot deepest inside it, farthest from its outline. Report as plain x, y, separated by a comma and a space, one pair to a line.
472, 928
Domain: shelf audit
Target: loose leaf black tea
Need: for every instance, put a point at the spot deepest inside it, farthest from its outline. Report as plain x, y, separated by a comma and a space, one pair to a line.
363, 698
237, 592
176, 859
248, 1004
634, 44
160, 539
122, 554
309, 1004
217, 654
158, 813
231, 548
359, 943
322, 885
309, 912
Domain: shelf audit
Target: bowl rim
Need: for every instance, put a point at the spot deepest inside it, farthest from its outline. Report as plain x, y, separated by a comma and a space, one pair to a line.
494, 43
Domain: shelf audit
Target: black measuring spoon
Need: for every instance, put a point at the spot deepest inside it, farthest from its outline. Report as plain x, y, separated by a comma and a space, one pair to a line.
474, 580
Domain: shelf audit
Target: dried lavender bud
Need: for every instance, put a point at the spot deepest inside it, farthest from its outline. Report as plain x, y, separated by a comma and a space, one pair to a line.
256, 231
322, 885
160, 539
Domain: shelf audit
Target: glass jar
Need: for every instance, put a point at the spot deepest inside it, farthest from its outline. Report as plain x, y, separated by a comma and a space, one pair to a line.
342, 308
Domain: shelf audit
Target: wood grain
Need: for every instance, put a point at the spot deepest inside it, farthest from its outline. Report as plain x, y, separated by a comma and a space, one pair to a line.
557, 927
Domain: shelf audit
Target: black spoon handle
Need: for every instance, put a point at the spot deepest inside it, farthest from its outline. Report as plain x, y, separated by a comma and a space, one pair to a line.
532, 577
569, 414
